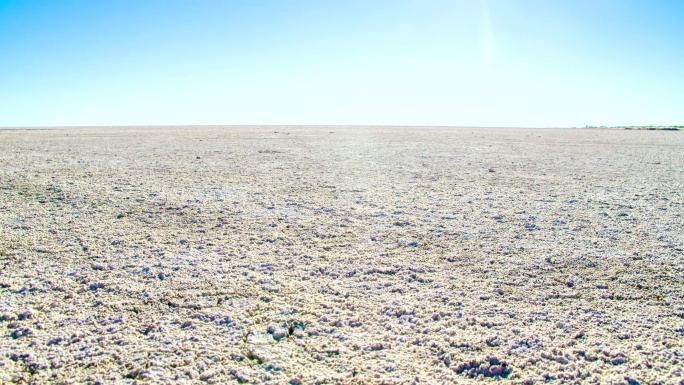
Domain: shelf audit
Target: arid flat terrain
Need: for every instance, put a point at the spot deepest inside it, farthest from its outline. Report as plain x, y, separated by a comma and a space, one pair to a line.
341, 255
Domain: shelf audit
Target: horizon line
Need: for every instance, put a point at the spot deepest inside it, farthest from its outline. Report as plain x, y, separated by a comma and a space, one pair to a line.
273, 125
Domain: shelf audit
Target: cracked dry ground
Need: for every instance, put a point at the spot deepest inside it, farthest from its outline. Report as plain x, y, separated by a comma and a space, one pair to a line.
341, 255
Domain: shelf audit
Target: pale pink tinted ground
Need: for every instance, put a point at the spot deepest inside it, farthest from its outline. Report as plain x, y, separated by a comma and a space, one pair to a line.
341, 255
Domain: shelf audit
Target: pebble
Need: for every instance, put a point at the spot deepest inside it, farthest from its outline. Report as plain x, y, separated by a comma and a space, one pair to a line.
98, 266
208, 374
279, 334
25, 315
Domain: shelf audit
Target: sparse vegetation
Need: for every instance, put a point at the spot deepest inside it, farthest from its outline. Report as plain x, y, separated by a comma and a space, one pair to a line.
652, 128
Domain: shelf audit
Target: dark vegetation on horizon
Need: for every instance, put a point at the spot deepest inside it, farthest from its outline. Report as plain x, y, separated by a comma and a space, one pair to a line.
663, 128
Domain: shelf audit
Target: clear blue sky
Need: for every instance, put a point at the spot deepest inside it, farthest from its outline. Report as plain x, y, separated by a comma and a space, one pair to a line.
394, 62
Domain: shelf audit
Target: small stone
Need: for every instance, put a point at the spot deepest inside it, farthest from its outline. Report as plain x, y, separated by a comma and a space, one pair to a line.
154, 374
499, 291
191, 373
279, 334
161, 276
295, 381
19, 333
8, 317
133, 373
25, 315
96, 286
493, 341
186, 324
496, 370
562, 360
207, 375
97, 266
376, 346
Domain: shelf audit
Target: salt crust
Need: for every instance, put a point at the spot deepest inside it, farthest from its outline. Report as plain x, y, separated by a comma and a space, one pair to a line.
350, 255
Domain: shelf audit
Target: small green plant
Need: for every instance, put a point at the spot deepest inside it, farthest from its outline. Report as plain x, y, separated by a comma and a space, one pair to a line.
250, 356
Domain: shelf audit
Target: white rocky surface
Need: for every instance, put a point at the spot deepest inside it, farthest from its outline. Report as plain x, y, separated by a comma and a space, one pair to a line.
341, 255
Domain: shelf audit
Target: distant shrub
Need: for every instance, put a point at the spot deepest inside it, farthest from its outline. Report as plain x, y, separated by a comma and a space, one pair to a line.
650, 128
